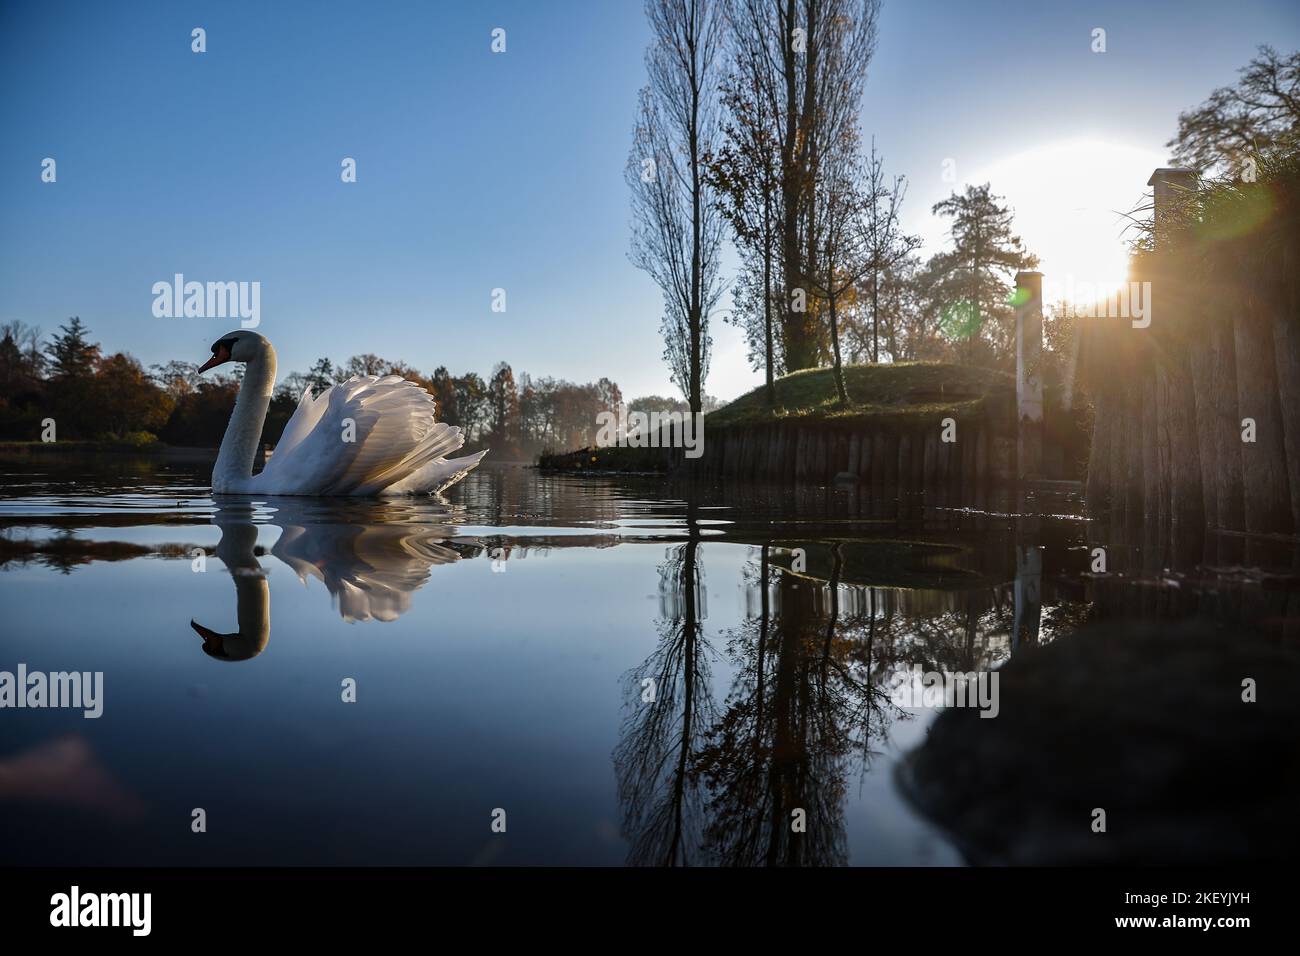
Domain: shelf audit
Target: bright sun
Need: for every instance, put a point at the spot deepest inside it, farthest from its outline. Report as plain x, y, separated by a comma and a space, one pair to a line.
1069, 200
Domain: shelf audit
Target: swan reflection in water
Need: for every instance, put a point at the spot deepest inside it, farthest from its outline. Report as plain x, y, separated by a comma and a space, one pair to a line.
371, 556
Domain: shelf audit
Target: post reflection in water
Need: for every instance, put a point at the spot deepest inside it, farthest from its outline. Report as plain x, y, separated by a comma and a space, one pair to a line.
368, 559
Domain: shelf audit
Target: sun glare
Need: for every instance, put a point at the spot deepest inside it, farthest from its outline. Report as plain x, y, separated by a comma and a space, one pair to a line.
1070, 200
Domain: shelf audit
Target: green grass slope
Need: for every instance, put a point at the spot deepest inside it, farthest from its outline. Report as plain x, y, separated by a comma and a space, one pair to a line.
899, 394
898, 390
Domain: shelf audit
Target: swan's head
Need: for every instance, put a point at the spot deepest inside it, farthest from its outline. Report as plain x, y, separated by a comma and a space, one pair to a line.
232, 647
238, 346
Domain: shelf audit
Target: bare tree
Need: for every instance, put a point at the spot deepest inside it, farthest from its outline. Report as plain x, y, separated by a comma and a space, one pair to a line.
29, 340
744, 176
887, 244
677, 228
755, 307
805, 61
1261, 112
861, 237
366, 364
901, 310
845, 256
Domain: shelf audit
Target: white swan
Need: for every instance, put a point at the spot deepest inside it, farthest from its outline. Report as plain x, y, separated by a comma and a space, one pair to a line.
366, 436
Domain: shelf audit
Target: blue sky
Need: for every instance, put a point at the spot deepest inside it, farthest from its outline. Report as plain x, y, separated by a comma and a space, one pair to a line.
478, 170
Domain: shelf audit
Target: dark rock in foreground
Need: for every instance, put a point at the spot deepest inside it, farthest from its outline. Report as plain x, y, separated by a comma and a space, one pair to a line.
1144, 721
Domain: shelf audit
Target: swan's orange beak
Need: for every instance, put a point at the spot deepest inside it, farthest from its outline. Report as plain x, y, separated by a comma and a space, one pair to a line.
219, 357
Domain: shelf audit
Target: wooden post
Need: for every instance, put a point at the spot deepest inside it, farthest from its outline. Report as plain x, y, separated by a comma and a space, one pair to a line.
1171, 186
1029, 383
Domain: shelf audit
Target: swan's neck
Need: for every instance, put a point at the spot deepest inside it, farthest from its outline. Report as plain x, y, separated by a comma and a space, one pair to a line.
239, 445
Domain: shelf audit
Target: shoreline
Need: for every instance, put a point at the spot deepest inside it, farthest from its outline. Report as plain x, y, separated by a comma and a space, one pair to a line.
29, 449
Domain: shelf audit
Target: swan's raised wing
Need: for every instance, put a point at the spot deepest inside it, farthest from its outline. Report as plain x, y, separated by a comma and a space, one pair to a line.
370, 433
437, 475
304, 419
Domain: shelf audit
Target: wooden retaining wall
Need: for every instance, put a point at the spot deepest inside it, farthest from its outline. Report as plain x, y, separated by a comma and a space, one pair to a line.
910, 457
1168, 440
1173, 400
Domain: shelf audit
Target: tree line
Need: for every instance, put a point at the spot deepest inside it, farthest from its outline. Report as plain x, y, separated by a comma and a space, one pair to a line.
748, 130
99, 397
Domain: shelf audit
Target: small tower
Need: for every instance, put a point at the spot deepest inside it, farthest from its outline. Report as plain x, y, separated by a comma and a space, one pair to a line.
1172, 186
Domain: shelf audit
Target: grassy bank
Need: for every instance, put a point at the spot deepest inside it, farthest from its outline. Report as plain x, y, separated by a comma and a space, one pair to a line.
900, 394
900, 391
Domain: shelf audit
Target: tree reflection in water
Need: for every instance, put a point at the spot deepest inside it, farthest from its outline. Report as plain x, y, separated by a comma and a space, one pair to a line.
761, 780
671, 713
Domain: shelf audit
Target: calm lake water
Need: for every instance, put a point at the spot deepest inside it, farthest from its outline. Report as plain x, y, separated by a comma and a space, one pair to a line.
635, 672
